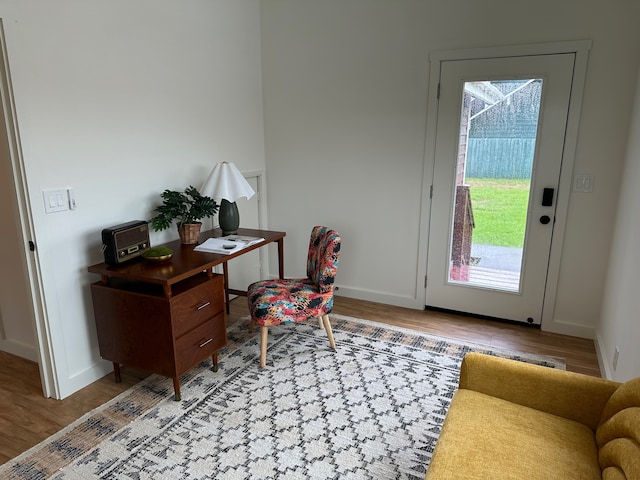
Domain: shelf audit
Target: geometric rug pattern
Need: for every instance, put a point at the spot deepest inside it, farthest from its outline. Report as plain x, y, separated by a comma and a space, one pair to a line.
373, 409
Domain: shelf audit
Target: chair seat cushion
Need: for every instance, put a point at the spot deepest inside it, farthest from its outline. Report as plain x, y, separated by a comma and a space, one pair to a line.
273, 302
484, 437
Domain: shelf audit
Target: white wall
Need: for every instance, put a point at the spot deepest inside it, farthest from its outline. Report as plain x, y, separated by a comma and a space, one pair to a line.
345, 91
121, 100
620, 321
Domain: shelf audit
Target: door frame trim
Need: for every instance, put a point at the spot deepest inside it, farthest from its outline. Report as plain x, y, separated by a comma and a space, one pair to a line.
580, 48
39, 318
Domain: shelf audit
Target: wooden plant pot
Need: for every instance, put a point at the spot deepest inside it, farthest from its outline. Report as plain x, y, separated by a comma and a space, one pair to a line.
189, 233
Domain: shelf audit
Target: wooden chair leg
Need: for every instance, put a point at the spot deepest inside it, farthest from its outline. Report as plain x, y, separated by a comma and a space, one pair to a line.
252, 324
321, 321
263, 346
327, 327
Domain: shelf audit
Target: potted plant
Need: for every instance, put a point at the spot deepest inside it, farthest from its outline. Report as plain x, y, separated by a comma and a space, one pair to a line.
187, 209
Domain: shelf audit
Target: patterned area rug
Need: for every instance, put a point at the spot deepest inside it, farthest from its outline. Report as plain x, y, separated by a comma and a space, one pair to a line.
371, 410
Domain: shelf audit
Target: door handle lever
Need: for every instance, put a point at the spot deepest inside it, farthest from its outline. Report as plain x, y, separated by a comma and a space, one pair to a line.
547, 197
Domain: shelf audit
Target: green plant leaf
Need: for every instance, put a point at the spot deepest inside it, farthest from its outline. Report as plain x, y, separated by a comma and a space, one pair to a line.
182, 207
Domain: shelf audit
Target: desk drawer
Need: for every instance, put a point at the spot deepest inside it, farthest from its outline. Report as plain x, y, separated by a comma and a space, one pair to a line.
200, 343
197, 304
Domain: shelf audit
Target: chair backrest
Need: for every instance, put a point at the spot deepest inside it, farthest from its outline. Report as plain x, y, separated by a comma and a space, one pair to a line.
322, 261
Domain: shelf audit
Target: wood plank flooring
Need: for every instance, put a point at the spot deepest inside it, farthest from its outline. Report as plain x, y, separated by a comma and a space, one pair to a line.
27, 418
579, 353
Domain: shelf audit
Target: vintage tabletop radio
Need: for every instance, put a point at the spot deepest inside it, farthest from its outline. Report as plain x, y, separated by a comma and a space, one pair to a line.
125, 241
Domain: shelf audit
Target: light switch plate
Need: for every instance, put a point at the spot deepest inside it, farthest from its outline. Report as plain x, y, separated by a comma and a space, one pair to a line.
55, 200
583, 183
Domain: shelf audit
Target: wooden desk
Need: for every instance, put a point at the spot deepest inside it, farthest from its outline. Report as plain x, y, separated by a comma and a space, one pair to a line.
168, 317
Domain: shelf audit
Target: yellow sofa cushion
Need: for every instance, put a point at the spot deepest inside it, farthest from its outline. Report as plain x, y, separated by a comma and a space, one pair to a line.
484, 437
566, 394
618, 435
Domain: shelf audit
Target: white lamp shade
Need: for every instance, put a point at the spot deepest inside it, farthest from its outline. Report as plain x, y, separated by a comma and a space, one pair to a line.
226, 182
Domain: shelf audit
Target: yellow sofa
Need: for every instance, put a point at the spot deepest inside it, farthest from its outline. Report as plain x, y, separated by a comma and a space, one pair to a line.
513, 420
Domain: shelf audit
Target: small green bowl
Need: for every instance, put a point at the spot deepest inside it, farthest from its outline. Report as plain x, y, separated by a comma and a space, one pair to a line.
157, 254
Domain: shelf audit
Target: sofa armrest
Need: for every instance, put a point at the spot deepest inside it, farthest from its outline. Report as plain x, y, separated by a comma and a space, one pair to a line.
570, 395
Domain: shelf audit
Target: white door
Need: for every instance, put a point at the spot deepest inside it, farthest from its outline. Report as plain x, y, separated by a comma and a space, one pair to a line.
498, 151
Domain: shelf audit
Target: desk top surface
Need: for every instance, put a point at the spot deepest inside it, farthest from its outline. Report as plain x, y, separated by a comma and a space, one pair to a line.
185, 261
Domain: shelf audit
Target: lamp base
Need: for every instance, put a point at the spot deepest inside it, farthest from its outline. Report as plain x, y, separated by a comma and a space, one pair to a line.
228, 217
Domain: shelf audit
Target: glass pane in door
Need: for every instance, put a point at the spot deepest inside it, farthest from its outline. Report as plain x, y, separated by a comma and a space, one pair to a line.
498, 129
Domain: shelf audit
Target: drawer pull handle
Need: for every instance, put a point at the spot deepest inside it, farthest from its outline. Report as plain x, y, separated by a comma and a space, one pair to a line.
204, 305
205, 342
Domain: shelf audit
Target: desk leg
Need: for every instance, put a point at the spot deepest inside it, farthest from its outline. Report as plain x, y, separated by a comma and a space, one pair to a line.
116, 372
214, 360
225, 271
176, 388
281, 257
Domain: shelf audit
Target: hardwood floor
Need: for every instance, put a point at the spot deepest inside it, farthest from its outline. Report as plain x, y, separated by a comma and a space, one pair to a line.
27, 417
31, 418
579, 353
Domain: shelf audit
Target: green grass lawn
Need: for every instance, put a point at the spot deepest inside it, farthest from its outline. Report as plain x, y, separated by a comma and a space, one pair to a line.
499, 211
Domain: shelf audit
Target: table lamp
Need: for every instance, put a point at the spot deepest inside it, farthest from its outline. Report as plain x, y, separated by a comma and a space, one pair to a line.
227, 184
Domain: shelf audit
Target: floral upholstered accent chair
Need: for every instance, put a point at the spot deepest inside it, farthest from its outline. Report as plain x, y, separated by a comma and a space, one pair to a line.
273, 302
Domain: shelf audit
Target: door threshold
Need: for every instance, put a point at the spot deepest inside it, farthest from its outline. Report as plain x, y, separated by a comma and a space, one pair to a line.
482, 317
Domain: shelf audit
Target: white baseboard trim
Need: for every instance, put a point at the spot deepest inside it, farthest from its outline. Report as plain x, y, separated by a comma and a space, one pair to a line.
19, 349
380, 297
570, 329
84, 378
605, 370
